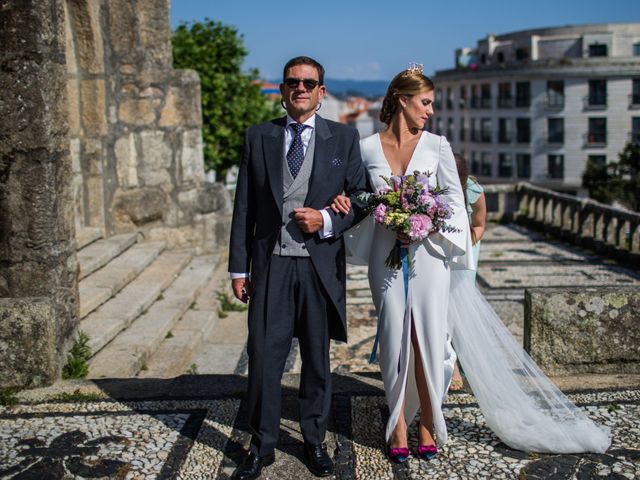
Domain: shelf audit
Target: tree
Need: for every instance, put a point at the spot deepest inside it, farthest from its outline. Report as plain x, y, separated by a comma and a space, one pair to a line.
618, 180
231, 99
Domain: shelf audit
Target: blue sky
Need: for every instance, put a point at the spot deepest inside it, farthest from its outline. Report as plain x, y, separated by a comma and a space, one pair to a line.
373, 40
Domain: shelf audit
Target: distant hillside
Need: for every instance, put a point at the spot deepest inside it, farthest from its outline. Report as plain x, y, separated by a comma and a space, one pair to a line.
364, 88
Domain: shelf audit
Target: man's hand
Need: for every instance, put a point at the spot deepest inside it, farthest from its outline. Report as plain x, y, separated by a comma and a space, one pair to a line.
308, 219
241, 288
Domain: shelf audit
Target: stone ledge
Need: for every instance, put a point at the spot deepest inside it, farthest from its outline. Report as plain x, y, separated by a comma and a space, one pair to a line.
583, 330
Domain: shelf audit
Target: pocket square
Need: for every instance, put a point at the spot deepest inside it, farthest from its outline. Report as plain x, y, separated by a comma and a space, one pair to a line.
336, 162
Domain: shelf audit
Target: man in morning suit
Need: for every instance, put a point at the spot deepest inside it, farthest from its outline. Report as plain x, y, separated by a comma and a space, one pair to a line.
292, 246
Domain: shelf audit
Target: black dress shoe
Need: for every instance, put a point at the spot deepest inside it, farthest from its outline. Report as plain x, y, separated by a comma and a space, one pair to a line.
251, 467
318, 460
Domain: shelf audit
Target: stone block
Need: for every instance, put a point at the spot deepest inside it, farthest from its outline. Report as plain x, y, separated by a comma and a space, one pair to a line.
122, 28
94, 110
583, 330
73, 95
138, 111
126, 161
85, 15
214, 197
182, 107
191, 157
140, 206
27, 342
158, 157
70, 49
155, 34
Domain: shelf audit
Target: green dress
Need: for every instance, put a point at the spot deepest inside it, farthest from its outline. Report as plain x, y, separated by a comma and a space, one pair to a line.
474, 190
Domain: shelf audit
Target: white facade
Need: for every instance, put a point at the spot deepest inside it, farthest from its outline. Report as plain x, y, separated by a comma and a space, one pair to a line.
577, 87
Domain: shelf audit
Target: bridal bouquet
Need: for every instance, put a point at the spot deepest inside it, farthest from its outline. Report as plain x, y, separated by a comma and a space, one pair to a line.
410, 206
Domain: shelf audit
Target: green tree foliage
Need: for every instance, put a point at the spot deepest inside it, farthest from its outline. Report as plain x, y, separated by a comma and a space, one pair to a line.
231, 99
618, 180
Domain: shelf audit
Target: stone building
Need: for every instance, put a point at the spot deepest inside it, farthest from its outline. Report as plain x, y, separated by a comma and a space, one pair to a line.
536, 105
99, 135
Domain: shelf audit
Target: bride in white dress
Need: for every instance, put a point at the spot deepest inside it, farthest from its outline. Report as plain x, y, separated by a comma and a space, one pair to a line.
413, 306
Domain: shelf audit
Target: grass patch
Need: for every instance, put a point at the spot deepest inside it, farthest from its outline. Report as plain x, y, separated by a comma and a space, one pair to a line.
222, 314
228, 305
614, 407
8, 396
192, 370
77, 365
144, 366
169, 334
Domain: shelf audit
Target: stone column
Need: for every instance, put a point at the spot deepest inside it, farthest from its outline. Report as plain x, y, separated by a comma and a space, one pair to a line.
38, 270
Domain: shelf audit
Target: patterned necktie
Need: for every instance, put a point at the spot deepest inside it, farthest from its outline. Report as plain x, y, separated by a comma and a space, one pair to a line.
295, 155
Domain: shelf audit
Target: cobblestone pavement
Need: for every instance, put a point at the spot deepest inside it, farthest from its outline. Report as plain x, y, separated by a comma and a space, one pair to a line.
194, 427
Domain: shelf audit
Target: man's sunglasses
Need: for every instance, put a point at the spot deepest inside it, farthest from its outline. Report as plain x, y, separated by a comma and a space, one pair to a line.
309, 83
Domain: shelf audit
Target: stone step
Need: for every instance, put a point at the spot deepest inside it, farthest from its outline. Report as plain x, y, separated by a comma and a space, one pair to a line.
99, 253
87, 235
126, 354
106, 322
103, 284
175, 353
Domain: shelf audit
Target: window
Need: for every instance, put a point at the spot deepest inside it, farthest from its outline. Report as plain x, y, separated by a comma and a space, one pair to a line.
523, 130
449, 99
483, 58
597, 93
475, 164
555, 130
505, 165
597, 134
475, 131
523, 94
523, 165
450, 128
635, 92
475, 98
437, 101
439, 126
504, 95
463, 133
635, 130
636, 49
599, 161
500, 57
504, 130
485, 130
486, 169
522, 54
463, 96
555, 166
485, 95
597, 50
555, 94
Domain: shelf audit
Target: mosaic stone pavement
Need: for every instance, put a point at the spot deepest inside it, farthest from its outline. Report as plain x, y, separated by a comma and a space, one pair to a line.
202, 439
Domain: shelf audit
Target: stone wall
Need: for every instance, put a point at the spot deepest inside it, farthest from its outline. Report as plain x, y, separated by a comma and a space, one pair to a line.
583, 330
135, 126
38, 269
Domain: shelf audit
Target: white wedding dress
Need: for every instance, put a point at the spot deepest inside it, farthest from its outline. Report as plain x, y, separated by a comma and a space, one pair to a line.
520, 404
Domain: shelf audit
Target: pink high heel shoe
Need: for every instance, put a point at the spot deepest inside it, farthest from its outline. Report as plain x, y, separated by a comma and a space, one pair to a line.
399, 455
427, 452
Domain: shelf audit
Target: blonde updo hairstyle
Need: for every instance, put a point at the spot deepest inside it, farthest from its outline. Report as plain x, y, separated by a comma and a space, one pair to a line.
407, 83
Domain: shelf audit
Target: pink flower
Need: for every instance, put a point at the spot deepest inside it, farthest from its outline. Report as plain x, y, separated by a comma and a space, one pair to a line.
380, 213
421, 226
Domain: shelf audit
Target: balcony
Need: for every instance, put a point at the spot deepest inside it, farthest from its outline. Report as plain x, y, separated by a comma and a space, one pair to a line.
634, 100
505, 102
595, 139
595, 102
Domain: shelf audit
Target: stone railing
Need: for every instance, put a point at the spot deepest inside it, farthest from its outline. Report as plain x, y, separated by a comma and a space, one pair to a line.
609, 231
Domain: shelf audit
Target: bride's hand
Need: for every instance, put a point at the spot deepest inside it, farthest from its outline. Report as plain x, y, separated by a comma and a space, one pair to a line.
341, 204
404, 238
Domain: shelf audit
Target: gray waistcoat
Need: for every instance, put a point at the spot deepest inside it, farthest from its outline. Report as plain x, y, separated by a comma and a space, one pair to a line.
291, 239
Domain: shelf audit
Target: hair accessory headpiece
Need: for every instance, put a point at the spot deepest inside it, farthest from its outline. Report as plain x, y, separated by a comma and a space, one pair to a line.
415, 68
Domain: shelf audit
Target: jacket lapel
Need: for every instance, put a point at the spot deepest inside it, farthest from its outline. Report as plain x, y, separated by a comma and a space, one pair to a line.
325, 148
273, 151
